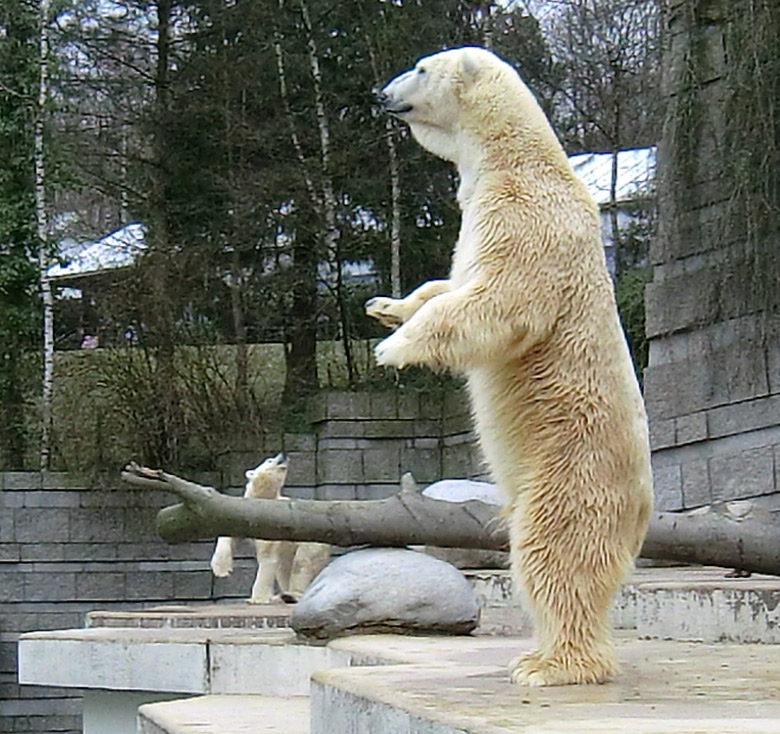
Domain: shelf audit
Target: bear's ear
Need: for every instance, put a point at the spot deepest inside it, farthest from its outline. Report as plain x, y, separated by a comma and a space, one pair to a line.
249, 473
470, 63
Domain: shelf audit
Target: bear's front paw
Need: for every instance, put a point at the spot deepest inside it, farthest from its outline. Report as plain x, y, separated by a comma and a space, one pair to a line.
221, 564
387, 311
395, 351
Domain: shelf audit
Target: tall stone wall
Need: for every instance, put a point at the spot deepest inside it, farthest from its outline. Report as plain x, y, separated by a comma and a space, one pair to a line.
70, 545
712, 386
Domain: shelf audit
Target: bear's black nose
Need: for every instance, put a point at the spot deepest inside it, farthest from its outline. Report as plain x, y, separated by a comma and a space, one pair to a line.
381, 96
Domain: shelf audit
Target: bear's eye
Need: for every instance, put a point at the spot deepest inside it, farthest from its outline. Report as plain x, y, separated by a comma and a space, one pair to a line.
420, 71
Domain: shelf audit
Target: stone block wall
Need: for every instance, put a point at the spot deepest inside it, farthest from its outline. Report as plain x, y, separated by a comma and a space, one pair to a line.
712, 386
70, 545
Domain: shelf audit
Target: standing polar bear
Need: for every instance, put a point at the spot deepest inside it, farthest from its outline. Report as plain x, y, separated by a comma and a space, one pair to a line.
528, 314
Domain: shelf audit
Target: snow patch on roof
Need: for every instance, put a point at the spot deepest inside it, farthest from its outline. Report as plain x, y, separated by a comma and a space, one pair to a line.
116, 250
635, 175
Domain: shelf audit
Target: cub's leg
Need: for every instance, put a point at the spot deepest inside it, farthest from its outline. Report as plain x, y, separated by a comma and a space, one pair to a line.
392, 312
310, 559
267, 557
222, 559
285, 555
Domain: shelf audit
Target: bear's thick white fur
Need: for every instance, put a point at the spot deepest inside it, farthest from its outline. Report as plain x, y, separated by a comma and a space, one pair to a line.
529, 315
291, 565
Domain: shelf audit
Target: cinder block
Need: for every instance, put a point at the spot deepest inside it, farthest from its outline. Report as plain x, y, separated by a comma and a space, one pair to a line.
383, 429
191, 585
97, 525
742, 417
42, 551
667, 485
50, 586
340, 429
146, 586
427, 428
11, 585
91, 552
352, 405
382, 464
302, 468
299, 442
42, 525
103, 586
696, 484
10, 553
339, 467
408, 405
51, 498
300, 493
383, 405
691, 428
742, 475
67, 481
456, 462
425, 464
22, 480
662, 433
376, 491
335, 492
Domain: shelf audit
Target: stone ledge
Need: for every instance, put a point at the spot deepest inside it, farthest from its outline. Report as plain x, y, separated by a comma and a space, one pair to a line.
225, 715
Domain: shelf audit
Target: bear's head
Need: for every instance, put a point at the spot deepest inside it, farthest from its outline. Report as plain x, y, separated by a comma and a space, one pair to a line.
266, 481
461, 98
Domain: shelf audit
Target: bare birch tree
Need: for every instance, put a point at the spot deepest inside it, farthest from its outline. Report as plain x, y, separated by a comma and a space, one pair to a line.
42, 221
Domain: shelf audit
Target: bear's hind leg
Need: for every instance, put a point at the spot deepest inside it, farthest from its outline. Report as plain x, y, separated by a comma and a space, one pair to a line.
571, 612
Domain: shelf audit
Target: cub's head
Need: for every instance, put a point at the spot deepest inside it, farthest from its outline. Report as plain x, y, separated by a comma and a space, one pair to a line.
463, 90
266, 481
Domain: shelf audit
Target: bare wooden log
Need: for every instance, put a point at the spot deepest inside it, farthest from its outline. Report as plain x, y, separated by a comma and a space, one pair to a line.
411, 518
406, 518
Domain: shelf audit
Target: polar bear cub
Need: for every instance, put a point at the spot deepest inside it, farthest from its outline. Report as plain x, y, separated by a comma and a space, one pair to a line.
528, 314
290, 565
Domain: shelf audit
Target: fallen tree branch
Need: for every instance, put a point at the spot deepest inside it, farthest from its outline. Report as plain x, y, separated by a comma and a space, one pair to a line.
406, 518
411, 518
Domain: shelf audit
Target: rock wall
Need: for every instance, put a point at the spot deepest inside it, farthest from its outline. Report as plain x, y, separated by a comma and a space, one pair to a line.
712, 386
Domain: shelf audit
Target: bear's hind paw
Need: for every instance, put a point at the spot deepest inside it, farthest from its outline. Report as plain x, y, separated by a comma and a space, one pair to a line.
537, 670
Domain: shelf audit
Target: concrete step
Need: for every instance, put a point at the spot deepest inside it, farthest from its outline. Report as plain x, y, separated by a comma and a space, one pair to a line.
678, 603
211, 616
448, 687
226, 715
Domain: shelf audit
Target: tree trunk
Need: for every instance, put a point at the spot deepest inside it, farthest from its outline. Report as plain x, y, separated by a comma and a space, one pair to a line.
43, 244
300, 352
411, 518
332, 249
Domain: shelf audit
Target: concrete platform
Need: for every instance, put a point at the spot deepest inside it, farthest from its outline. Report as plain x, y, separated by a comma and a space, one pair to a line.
185, 661
454, 687
211, 616
225, 715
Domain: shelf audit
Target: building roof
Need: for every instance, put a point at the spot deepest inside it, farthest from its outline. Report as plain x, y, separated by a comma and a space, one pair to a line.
116, 250
636, 173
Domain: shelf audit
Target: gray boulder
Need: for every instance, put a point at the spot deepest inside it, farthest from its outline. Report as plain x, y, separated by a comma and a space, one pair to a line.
386, 590
463, 490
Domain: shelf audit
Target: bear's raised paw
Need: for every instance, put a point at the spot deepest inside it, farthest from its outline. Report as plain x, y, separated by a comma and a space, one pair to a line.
534, 669
387, 311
